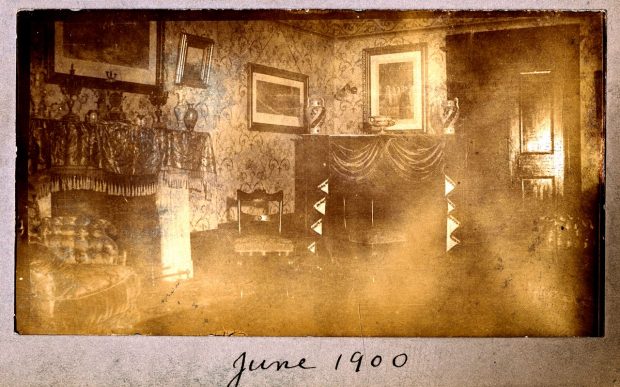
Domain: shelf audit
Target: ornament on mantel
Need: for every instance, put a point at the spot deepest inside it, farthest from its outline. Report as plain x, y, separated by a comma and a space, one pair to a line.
378, 124
102, 107
71, 88
178, 111
189, 112
158, 98
110, 105
92, 117
38, 104
115, 99
315, 114
190, 117
115, 106
141, 120
450, 115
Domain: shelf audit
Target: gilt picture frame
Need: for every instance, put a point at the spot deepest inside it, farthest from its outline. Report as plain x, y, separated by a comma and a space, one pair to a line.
276, 100
108, 54
194, 61
395, 85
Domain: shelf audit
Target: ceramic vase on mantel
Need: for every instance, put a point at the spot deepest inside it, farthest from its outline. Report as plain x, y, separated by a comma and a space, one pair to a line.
190, 117
315, 114
450, 115
178, 111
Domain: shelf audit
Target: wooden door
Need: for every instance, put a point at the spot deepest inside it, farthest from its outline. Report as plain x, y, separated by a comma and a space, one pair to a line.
518, 136
537, 138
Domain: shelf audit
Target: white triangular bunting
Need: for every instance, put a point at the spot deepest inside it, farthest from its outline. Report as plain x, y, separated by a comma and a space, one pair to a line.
450, 184
451, 242
317, 227
312, 247
320, 206
324, 186
451, 206
452, 224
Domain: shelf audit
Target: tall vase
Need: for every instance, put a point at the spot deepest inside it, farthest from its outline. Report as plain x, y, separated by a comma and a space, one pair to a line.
203, 110
315, 114
178, 111
190, 117
450, 115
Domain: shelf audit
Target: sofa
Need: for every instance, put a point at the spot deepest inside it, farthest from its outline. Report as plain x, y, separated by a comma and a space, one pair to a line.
79, 280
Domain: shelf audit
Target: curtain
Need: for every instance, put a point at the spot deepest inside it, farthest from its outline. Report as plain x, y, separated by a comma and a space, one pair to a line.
368, 159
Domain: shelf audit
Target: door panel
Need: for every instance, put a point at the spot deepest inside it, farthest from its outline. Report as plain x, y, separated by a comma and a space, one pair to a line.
537, 138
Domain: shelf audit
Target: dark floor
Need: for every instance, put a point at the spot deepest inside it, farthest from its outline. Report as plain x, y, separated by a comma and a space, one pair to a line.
508, 285
513, 278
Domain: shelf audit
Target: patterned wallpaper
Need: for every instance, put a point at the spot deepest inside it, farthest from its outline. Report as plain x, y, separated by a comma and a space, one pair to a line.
357, 27
393, 21
245, 159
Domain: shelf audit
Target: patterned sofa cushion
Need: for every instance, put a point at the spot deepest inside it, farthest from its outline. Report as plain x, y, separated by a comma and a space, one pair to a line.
81, 284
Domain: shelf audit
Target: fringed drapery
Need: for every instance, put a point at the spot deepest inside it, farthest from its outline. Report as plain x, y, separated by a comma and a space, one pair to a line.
193, 180
115, 157
192, 151
100, 181
368, 159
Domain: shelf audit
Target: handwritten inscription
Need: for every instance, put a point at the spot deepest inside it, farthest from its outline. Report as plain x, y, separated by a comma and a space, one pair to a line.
356, 359
255, 365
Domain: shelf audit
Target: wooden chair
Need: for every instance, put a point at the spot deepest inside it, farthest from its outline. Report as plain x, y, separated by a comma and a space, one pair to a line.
260, 230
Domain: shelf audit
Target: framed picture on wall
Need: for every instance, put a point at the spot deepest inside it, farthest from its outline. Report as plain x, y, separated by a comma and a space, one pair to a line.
395, 85
276, 100
194, 61
108, 54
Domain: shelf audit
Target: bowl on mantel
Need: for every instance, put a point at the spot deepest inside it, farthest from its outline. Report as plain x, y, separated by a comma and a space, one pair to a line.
379, 123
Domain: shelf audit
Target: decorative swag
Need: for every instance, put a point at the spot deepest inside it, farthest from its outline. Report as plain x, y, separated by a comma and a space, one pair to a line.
116, 157
367, 160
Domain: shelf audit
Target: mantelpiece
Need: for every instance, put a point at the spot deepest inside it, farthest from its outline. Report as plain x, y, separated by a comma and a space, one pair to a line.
119, 159
399, 177
113, 156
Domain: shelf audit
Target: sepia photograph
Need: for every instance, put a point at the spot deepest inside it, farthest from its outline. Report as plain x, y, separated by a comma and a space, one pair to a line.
327, 173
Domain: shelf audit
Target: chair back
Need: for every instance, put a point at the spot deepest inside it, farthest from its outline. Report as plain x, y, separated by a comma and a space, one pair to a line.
259, 199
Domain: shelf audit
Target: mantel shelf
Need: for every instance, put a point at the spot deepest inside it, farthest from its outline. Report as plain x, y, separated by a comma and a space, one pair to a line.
116, 157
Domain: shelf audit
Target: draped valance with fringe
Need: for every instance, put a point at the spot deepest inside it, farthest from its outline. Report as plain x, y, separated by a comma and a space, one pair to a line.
115, 157
368, 159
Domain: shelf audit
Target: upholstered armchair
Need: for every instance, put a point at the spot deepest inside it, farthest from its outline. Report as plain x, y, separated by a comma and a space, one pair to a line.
80, 283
